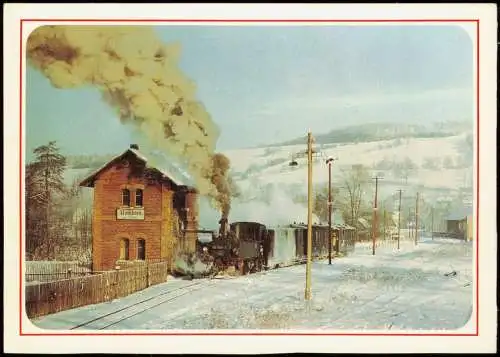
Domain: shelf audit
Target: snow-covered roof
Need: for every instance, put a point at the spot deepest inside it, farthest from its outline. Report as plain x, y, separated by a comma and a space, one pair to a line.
205, 237
168, 167
153, 160
343, 226
363, 222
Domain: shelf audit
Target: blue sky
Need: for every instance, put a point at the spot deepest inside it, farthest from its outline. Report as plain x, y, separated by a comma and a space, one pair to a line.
264, 84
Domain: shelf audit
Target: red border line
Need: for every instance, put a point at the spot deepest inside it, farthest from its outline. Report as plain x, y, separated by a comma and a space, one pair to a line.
249, 20
249, 334
21, 215
477, 182
238, 21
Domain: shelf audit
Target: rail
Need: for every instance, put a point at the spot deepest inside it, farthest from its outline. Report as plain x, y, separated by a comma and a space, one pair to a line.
171, 295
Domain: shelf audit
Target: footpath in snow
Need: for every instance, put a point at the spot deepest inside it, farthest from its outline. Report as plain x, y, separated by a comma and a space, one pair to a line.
424, 287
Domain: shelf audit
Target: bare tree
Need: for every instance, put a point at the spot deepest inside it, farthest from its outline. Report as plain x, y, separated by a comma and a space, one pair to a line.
320, 205
354, 182
78, 216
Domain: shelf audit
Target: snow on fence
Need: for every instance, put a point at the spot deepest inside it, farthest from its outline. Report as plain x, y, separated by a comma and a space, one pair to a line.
46, 271
386, 243
55, 296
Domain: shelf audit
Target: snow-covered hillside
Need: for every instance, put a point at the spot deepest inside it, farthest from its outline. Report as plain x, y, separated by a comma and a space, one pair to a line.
432, 164
436, 167
272, 164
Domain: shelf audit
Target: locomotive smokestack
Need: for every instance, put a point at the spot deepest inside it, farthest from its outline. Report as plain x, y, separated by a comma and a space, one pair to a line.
223, 226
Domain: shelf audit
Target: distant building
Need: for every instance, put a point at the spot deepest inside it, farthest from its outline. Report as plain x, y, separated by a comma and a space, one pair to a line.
459, 223
140, 211
363, 223
363, 229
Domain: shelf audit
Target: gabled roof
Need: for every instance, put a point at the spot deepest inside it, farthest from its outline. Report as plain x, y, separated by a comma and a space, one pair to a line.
364, 223
155, 161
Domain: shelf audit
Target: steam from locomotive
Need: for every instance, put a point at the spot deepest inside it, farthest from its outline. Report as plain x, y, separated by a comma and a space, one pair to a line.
144, 84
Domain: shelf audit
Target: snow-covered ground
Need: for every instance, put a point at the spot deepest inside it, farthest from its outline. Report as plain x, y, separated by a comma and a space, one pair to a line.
407, 289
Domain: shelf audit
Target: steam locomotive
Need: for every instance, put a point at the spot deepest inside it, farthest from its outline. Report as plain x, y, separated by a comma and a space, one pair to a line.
239, 244
250, 247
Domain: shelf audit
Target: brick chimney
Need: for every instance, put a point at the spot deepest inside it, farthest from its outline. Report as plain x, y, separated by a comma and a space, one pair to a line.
191, 206
191, 215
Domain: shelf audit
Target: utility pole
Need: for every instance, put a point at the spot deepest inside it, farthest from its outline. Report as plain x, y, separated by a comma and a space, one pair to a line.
416, 219
385, 223
309, 216
374, 224
410, 231
399, 217
330, 203
432, 223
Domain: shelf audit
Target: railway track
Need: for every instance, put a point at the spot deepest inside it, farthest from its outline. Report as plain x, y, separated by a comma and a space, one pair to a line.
115, 317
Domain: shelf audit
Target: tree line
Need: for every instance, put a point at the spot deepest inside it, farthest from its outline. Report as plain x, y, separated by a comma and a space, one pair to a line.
352, 198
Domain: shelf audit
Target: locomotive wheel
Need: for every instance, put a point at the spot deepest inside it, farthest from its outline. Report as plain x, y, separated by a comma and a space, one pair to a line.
241, 267
258, 265
253, 266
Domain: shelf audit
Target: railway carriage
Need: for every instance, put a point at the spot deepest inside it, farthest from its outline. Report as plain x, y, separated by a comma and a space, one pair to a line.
283, 246
300, 242
346, 239
250, 247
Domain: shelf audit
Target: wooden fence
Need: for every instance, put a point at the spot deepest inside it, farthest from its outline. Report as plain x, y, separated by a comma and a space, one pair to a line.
45, 271
55, 296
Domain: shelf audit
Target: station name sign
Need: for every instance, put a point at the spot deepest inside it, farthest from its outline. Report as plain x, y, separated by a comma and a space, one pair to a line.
130, 213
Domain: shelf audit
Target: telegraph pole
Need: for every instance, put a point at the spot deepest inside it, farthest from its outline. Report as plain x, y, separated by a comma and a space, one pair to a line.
399, 217
416, 220
374, 224
410, 231
329, 162
385, 223
432, 223
309, 216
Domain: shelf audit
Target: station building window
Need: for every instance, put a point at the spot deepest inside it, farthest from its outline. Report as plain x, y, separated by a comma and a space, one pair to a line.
141, 249
124, 249
126, 197
138, 198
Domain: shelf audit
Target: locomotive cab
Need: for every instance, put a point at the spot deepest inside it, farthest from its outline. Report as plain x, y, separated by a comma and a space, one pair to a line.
250, 239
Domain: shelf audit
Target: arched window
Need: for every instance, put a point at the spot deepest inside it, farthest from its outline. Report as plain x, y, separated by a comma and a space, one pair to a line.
141, 249
126, 197
124, 246
138, 197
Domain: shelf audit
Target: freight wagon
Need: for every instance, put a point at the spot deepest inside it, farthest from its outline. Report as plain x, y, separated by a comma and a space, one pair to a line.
282, 247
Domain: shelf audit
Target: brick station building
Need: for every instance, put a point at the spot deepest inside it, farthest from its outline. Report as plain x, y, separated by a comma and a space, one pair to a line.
141, 211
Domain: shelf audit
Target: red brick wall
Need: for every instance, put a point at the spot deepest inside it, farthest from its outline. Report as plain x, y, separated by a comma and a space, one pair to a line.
192, 219
113, 231
108, 231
